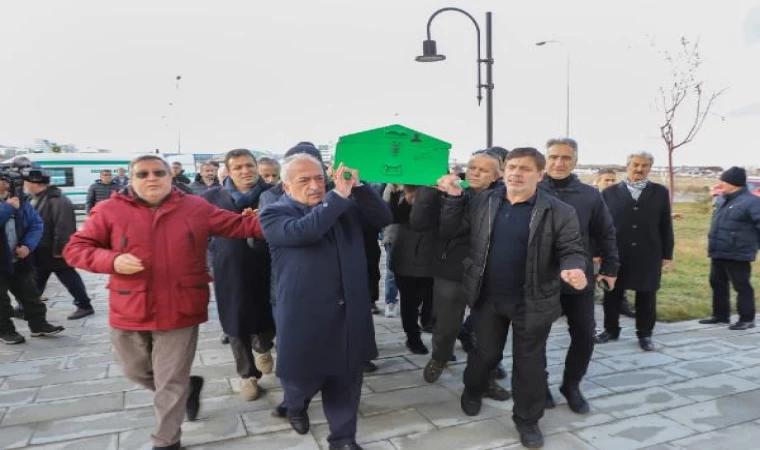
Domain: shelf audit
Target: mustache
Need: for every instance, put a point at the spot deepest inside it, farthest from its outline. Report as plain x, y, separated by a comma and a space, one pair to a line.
313, 192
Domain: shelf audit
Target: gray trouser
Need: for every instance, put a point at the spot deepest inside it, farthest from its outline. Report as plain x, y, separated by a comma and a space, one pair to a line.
160, 361
449, 305
243, 348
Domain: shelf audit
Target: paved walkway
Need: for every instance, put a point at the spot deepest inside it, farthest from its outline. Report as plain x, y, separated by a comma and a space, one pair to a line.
700, 390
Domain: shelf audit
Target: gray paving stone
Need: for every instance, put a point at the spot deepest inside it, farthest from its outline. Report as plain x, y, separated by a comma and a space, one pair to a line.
699, 351
215, 356
485, 434
694, 336
630, 381
745, 358
193, 433
719, 413
36, 366
17, 397
84, 406
450, 413
86, 426
84, 389
106, 442
617, 348
391, 365
742, 342
58, 352
750, 373
15, 437
393, 381
595, 368
381, 427
142, 397
634, 433
708, 388
702, 367
404, 399
560, 441
639, 403
260, 422
58, 377
738, 436
78, 362
9, 357
281, 440
227, 405
637, 361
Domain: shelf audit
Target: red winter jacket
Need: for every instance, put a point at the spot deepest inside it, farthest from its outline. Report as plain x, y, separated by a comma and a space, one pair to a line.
172, 291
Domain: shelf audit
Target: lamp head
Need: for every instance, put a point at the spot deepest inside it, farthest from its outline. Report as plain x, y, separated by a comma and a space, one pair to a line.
429, 52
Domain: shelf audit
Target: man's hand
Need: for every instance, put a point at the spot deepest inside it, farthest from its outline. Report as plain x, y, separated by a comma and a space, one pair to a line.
597, 260
450, 185
14, 201
610, 280
344, 185
127, 264
22, 251
575, 278
667, 265
250, 212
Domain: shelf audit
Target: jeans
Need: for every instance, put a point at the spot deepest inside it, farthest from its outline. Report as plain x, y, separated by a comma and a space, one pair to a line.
391, 290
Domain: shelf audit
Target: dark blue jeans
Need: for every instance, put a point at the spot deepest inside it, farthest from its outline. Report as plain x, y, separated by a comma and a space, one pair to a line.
391, 290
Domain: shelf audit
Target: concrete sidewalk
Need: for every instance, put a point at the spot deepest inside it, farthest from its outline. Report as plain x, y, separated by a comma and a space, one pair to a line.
699, 390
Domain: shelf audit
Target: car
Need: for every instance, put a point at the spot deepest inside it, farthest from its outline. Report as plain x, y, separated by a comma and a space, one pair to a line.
753, 186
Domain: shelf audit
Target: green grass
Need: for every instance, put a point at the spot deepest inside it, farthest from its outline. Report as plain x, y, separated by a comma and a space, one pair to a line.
685, 292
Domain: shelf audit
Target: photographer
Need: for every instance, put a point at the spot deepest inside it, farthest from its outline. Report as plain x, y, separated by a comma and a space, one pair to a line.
59, 221
20, 232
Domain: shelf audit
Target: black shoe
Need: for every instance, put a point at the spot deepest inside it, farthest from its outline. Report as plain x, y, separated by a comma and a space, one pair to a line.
530, 435
280, 411
44, 329
175, 446
369, 367
714, 320
353, 446
496, 392
375, 309
81, 312
194, 399
742, 325
501, 372
11, 338
299, 422
453, 358
224, 339
605, 336
549, 402
626, 310
575, 399
433, 371
470, 403
646, 344
415, 345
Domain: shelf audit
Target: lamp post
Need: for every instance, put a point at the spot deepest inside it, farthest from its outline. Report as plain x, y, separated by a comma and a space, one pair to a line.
430, 54
567, 87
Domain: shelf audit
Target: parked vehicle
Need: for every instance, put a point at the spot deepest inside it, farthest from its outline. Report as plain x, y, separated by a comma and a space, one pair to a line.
753, 186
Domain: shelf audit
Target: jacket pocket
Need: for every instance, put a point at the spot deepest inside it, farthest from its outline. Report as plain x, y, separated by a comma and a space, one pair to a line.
192, 298
128, 299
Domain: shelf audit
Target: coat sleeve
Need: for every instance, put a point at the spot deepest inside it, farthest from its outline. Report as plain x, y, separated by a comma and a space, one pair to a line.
6, 212
455, 216
568, 243
602, 232
666, 228
89, 248
374, 211
232, 225
284, 229
427, 209
90, 202
65, 224
754, 214
34, 227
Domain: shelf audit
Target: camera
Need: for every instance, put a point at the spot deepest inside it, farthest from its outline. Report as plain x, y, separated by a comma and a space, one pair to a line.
17, 172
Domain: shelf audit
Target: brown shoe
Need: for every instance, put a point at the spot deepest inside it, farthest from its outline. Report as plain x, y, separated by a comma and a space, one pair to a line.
80, 313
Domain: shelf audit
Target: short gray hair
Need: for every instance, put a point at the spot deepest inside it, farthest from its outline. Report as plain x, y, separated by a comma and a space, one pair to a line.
645, 155
298, 157
142, 158
572, 143
266, 160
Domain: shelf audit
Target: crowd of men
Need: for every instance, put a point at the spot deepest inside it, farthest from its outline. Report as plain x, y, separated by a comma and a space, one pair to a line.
294, 253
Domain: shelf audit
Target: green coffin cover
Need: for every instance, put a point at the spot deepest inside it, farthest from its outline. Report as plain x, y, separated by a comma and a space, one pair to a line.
394, 154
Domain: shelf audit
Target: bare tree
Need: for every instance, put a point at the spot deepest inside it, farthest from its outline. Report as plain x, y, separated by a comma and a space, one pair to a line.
685, 98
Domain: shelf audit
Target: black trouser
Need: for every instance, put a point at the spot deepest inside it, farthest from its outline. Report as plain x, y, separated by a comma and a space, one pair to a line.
243, 348
70, 278
646, 311
22, 285
579, 310
738, 273
449, 305
416, 302
372, 251
528, 357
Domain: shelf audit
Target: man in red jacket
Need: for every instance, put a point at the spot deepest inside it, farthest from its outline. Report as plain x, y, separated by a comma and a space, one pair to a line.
152, 240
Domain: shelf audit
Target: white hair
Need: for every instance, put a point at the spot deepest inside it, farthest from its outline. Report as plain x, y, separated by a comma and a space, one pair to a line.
290, 160
645, 155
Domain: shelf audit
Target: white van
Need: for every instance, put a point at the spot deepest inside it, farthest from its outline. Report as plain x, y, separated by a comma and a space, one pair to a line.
75, 172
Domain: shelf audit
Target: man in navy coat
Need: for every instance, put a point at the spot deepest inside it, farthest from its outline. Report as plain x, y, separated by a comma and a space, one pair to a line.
323, 317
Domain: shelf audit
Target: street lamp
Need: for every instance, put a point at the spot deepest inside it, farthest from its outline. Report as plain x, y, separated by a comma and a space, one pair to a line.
430, 54
567, 88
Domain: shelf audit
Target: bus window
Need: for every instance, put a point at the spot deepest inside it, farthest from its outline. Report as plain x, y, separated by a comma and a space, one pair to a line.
61, 177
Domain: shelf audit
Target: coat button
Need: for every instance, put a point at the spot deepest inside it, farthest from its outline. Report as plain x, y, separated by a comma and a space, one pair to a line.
635, 208
634, 226
633, 244
341, 302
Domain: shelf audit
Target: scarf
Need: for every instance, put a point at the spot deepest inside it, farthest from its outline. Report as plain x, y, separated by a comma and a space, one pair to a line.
248, 199
635, 187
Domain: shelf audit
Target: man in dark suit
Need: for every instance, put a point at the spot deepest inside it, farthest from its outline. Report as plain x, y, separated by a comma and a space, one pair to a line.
641, 212
322, 314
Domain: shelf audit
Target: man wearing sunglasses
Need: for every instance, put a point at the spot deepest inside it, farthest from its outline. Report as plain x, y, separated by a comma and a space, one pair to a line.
159, 289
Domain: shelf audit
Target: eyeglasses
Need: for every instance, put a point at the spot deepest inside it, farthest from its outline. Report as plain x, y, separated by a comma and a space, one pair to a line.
156, 173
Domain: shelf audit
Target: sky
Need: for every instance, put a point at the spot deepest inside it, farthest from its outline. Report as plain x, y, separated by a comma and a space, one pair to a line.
266, 75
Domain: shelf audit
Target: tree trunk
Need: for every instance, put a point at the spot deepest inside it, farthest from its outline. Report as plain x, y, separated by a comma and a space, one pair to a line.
671, 179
